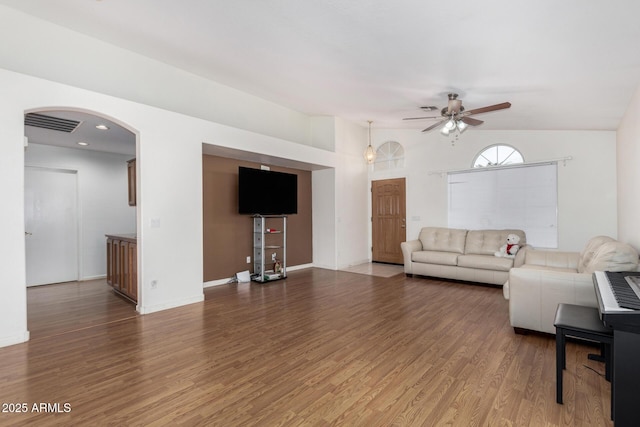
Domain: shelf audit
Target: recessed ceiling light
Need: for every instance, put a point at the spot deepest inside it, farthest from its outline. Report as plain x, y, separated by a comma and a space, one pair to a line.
102, 127
84, 144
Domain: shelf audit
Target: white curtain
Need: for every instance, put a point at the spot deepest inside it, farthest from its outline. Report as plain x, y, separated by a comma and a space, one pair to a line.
523, 197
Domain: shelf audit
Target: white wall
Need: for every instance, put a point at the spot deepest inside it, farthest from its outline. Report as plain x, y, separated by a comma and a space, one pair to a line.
323, 217
13, 313
323, 132
102, 195
351, 191
340, 218
628, 154
586, 184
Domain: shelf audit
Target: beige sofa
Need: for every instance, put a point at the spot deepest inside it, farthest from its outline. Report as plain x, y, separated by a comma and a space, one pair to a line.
547, 278
461, 254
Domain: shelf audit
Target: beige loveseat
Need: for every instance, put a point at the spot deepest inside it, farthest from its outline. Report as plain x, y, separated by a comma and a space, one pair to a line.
461, 254
548, 278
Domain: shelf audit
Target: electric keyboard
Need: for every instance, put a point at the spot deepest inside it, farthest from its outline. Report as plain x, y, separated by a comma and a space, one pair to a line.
617, 295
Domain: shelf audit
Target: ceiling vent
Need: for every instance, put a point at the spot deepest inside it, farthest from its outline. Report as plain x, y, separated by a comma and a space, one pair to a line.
49, 122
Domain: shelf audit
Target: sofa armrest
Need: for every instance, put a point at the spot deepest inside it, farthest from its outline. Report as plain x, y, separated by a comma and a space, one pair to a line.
534, 295
521, 255
408, 248
554, 259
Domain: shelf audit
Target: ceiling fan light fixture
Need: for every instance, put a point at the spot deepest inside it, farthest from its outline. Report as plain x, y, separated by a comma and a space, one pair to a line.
454, 114
450, 125
370, 152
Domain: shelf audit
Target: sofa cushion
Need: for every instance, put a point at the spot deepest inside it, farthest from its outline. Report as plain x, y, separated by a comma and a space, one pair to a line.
485, 262
443, 239
487, 242
549, 268
613, 256
590, 249
435, 257
552, 259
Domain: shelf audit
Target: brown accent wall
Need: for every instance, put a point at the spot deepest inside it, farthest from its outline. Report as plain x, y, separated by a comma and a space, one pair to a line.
228, 236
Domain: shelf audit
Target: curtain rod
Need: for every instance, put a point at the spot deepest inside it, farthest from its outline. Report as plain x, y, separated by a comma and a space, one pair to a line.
516, 165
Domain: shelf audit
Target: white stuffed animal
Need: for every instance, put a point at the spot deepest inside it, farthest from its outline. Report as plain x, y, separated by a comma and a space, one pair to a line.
511, 248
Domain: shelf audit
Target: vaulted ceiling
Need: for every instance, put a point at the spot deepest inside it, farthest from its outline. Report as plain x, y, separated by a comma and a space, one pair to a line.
570, 64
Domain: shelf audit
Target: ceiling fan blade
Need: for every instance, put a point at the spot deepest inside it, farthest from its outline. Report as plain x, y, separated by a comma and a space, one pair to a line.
487, 109
435, 125
471, 121
420, 118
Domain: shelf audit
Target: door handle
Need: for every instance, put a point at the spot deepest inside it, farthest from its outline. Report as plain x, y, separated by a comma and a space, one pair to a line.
26, 233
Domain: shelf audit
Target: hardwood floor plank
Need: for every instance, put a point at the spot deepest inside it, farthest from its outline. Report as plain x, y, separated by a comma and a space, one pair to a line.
55, 309
319, 348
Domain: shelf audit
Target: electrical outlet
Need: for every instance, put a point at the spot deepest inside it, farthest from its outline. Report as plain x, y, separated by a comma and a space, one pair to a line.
248, 260
154, 284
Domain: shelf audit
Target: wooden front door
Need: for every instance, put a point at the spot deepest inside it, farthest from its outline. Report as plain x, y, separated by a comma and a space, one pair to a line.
388, 229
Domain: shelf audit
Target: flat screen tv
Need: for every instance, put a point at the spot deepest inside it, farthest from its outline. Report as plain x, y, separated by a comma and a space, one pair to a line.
263, 192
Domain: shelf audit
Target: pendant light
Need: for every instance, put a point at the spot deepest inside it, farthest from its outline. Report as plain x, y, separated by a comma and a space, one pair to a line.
370, 153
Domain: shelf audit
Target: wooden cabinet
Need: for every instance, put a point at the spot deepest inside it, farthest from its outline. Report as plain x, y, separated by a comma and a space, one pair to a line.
131, 179
110, 264
122, 264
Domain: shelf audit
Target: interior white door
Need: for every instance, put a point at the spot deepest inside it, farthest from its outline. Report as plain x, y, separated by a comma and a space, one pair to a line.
51, 225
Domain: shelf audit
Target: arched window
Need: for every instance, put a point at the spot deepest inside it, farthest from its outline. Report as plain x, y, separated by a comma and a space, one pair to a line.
497, 155
389, 155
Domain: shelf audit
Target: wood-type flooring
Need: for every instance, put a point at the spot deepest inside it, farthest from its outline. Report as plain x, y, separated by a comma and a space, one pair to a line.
317, 349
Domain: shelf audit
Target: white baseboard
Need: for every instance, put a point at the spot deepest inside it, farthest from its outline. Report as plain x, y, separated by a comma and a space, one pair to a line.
216, 282
326, 267
228, 280
353, 264
300, 267
18, 338
160, 307
86, 279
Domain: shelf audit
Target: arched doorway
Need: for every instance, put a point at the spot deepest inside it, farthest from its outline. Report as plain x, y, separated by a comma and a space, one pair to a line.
75, 194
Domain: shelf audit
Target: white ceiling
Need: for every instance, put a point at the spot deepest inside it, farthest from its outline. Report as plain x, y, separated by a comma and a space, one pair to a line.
115, 139
570, 64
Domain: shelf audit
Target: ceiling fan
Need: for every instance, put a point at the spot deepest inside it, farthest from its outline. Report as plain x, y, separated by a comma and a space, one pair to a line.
454, 116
